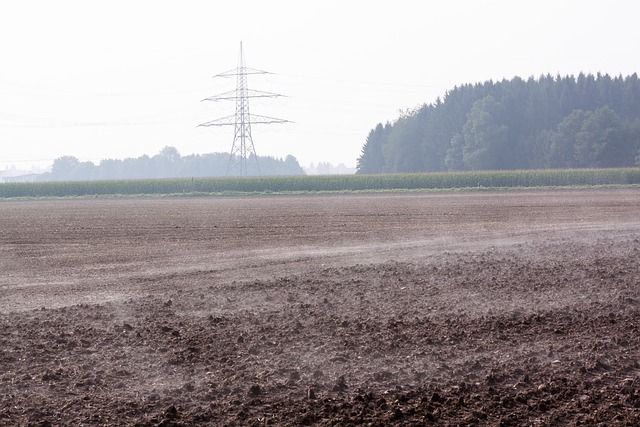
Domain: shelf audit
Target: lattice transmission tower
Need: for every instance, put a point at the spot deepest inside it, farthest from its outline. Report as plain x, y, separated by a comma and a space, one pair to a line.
243, 153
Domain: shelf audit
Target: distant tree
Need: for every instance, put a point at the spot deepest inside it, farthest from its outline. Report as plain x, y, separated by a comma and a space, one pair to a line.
371, 159
486, 145
288, 166
84, 171
324, 168
633, 132
514, 124
170, 154
601, 141
63, 167
168, 163
110, 169
436, 137
562, 142
455, 158
402, 151
540, 150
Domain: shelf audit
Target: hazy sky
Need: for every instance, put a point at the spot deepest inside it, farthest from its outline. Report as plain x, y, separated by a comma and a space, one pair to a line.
117, 79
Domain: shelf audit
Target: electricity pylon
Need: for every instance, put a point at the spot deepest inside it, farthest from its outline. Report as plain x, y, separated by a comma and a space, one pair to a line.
242, 150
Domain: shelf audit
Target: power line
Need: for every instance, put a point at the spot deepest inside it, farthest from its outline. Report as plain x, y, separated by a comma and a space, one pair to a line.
243, 152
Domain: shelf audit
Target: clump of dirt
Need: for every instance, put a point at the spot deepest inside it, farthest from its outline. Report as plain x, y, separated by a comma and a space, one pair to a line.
377, 310
509, 337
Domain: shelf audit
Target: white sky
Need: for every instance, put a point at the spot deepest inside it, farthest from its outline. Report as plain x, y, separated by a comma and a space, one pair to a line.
117, 79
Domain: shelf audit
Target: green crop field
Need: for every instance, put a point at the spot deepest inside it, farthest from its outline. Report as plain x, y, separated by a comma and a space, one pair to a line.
483, 180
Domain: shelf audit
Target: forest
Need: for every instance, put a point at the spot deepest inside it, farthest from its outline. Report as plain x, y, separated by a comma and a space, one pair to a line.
168, 163
588, 121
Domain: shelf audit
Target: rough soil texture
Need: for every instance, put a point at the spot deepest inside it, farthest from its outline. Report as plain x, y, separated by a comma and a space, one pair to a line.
403, 309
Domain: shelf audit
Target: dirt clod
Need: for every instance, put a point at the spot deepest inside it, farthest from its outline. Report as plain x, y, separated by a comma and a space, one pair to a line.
514, 308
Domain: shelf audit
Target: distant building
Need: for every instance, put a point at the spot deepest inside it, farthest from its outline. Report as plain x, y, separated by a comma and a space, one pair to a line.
29, 177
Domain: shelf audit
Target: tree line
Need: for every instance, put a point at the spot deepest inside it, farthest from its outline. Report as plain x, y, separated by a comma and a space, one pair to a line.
545, 123
168, 163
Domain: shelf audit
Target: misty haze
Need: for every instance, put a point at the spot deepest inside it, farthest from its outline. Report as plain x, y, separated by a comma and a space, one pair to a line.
319, 213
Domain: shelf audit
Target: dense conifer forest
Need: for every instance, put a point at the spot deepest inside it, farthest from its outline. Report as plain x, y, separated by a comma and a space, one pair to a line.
549, 122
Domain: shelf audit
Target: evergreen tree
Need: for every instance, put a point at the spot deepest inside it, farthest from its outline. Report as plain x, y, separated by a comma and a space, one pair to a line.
563, 140
555, 122
372, 159
486, 145
455, 157
402, 151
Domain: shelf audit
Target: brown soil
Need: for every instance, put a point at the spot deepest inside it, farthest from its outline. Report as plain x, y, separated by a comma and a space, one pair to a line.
406, 309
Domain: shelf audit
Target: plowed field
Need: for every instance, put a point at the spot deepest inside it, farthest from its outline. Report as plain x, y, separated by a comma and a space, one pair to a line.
511, 308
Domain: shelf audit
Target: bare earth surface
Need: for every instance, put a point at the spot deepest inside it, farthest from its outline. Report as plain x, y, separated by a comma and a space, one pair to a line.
514, 308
